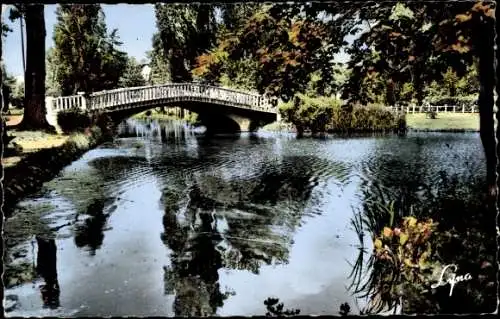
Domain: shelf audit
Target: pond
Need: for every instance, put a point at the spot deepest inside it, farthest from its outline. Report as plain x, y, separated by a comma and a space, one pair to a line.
165, 222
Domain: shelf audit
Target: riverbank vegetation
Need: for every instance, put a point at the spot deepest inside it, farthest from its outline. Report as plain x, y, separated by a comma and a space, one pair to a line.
417, 230
321, 114
49, 154
169, 114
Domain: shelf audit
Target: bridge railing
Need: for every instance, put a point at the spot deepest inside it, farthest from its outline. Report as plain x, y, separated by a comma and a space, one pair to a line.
169, 92
65, 103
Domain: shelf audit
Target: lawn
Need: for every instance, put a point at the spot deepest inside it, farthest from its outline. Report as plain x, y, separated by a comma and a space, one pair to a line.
444, 121
29, 142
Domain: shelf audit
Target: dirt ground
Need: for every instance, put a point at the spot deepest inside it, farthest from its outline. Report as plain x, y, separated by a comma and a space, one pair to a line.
13, 119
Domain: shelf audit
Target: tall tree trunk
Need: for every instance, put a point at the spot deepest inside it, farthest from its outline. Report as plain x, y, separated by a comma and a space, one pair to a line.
47, 268
34, 77
419, 87
497, 28
485, 49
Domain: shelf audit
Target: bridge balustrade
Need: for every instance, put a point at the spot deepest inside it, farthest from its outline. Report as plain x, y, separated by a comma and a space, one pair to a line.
128, 97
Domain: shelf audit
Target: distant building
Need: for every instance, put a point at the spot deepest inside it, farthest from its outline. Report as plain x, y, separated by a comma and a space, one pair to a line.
146, 72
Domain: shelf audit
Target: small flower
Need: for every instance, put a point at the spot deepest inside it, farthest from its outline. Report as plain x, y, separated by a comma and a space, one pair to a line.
397, 231
387, 232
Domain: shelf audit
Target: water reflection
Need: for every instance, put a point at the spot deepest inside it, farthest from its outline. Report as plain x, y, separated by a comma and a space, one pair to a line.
90, 232
176, 131
213, 223
231, 209
451, 197
47, 268
193, 274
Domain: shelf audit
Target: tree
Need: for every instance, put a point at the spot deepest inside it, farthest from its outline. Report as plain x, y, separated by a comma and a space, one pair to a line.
159, 64
450, 81
51, 84
87, 57
406, 43
473, 30
286, 47
8, 85
34, 78
132, 75
185, 32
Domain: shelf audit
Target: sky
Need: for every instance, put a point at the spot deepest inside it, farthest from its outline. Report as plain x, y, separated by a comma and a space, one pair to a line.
136, 25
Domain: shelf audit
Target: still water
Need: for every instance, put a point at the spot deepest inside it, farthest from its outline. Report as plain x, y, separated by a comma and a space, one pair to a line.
164, 222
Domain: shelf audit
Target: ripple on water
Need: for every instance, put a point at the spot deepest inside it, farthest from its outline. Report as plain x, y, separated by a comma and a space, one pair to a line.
270, 200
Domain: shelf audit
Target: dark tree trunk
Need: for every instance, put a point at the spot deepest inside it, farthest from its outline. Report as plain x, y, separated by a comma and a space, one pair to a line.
419, 87
34, 78
497, 28
485, 49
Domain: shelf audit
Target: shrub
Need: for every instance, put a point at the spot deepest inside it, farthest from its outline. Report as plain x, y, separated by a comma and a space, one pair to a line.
192, 119
305, 112
73, 121
370, 118
323, 113
80, 140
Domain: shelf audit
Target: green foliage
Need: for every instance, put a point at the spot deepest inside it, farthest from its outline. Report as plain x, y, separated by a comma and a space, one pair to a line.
286, 50
276, 309
132, 75
72, 121
5, 29
185, 32
192, 118
408, 247
8, 86
51, 85
371, 118
85, 58
415, 43
450, 80
309, 113
159, 64
239, 74
405, 258
17, 97
320, 114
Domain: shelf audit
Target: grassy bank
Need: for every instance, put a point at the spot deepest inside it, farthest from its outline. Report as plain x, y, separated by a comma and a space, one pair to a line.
27, 142
27, 175
450, 122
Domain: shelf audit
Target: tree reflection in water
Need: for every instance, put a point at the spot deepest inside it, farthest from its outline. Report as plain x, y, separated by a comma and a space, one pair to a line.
249, 239
47, 268
193, 275
90, 232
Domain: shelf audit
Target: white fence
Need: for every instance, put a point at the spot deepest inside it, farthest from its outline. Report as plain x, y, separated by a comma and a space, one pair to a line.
436, 108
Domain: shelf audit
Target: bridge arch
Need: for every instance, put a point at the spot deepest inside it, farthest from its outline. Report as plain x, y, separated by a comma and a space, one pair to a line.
220, 109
